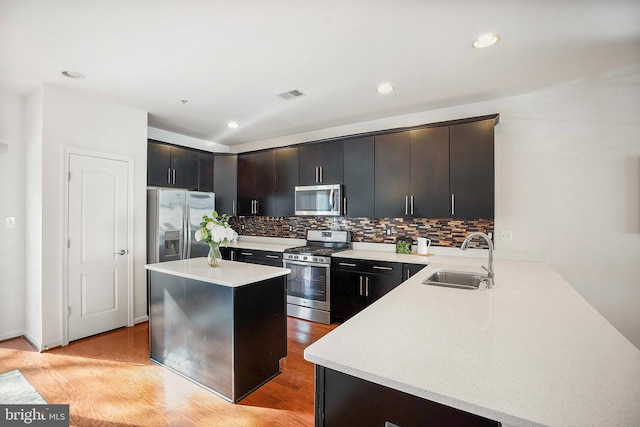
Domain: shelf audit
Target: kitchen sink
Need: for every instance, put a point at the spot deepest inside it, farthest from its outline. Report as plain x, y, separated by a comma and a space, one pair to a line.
455, 279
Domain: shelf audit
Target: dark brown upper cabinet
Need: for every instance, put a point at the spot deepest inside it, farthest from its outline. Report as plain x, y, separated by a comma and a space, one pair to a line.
257, 183
225, 183
321, 163
205, 175
170, 166
287, 170
359, 164
429, 172
392, 162
471, 147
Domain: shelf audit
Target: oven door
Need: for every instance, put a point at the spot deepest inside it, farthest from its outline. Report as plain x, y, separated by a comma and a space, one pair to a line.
308, 284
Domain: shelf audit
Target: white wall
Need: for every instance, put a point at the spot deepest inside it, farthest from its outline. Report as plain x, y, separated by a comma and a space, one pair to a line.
12, 190
186, 141
567, 183
74, 120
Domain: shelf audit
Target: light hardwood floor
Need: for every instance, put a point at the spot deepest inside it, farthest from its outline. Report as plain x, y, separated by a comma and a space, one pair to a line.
109, 380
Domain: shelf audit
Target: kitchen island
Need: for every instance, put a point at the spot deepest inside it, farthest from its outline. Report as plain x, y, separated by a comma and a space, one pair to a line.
528, 352
224, 327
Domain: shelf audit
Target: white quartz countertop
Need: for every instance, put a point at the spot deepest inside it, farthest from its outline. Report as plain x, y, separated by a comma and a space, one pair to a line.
229, 273
528, 352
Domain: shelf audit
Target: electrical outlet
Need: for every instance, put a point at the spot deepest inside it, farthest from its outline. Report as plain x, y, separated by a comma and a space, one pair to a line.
10, 222
506, 235
389, 230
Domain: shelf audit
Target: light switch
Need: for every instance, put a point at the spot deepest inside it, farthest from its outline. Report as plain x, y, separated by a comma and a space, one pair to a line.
10, 222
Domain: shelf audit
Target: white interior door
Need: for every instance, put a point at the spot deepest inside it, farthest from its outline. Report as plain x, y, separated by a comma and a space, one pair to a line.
98, 254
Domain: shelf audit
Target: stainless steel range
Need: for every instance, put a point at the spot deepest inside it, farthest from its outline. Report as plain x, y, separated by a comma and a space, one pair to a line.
309, 284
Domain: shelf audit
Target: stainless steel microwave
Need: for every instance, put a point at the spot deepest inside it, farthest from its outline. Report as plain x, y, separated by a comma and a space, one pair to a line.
322, 200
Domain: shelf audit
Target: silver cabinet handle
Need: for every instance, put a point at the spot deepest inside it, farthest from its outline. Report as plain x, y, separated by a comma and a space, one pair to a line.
366, 286
360, 285
174, 176
406, 205
346, 264
246, 253
233, 207
169, 176
408, 272
272, 256
344, 202
321, 174
412, 204
122, 252
256, 212
453, 204
377, 267
317, 174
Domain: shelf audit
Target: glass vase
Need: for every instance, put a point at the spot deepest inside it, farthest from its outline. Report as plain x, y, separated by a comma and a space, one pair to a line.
214, 258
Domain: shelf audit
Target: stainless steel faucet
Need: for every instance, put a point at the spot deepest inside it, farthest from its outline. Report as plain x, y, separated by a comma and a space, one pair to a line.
490, 269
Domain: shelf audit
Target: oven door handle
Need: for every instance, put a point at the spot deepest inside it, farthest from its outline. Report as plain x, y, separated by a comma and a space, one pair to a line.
305, 264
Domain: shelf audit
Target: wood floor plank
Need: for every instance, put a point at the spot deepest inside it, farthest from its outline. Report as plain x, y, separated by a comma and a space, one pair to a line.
109, 380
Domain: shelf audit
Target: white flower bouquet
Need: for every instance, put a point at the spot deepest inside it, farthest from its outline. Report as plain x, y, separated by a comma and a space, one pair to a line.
215, 229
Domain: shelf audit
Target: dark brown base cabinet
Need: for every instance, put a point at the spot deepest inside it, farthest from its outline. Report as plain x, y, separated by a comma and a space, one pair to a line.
357, 283
344, 400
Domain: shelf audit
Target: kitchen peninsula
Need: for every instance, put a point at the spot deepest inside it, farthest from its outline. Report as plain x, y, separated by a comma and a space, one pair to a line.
224, 327
528, 352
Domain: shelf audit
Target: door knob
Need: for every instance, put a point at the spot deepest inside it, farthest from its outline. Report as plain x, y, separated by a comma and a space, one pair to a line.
122, 252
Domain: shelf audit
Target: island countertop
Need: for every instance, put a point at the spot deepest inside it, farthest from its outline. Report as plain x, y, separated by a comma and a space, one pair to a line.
230, 273
528, 352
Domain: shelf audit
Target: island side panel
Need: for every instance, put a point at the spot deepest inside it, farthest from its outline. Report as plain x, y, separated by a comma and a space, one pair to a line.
191, 329
260, 333
344, 400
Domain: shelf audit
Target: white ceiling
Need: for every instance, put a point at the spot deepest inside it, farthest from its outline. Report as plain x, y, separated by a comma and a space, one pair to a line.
229, 59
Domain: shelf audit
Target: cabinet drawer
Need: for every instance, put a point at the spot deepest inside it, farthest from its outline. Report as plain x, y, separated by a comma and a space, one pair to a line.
272, 258
348, 264
247, 255
384, 267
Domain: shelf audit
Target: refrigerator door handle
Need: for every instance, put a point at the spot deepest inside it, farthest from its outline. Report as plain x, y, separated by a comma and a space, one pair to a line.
187, 233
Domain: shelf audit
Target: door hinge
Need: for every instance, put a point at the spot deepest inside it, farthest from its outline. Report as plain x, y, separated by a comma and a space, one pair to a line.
69, 176
68, 311
68, 243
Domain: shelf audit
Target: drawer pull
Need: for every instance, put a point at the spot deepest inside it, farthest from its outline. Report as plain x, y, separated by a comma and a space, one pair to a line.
246, 253
346, 264
382, 268
272, 256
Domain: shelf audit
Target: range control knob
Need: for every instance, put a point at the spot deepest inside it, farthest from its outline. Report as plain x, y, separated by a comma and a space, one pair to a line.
304, 258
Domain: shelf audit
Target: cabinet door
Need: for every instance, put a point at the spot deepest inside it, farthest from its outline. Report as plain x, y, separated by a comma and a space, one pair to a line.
225, 182
158, 164
184, 163
377, 285
205, 175
287, 169
409, 270
392, 161
256, 183
321, 163
472, 170
247, 255
429, 172
347, 288
359, 177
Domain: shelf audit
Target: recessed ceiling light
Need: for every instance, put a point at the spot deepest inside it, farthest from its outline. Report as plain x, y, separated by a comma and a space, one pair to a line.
385, 88
486, 40
73, 75
233, 125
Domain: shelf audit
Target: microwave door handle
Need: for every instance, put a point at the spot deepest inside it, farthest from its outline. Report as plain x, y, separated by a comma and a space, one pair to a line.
331, 201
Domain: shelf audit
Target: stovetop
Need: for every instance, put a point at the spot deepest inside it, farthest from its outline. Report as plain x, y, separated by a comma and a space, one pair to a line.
320, 245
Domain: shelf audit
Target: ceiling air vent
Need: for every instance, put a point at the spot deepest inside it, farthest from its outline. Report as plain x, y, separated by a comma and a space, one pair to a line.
290, 94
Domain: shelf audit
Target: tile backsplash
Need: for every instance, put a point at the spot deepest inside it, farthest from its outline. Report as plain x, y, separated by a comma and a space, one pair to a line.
442, 232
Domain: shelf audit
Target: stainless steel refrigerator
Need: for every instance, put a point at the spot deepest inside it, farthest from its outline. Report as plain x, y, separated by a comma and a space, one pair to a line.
173, 217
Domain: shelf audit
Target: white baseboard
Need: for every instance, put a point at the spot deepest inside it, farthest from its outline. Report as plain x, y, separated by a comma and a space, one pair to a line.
141, 319
11, 334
